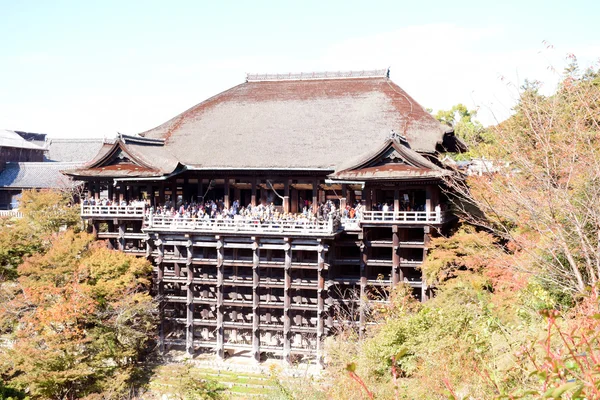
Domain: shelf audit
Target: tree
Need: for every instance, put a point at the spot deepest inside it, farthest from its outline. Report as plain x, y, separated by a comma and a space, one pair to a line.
45, 213
465, 125
544, 201
80, 319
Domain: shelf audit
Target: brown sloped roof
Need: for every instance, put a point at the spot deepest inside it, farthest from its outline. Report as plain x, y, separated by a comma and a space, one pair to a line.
394, 160
146, 157
296, 123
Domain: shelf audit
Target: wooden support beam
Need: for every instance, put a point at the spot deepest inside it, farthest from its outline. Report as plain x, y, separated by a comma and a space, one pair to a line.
189, 331
320, 302
428, 193
177, 265
396, 272
294, 206
253, 197
287, 301
226, 193
368, 193
286, 196
363, 285
344, 200
426, 241
121, 236
315, 194
161, 292
220, 350
95, 228
396, 200
161, 194
111, 191
200, 191
255, 299
149, 248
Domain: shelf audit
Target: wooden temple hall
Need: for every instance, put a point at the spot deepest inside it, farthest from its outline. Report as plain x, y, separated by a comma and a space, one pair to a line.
343, 169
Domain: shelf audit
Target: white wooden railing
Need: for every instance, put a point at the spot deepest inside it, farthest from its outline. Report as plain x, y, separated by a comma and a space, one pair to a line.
112, 211
239, 225
402, 217
11, 213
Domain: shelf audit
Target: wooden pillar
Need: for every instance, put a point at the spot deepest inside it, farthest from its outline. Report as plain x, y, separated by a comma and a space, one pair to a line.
161, 194
220, 330
315, 190
363, 286
110, 191
253, 197
344, 200
149, 247
189, 332
294, 205
237, 195
286, 196
97, 191
369, 198
161, 292
121, 236
396, 201
320, 301
287, 289
426, 240
256, 299
150, 194
185, 193
95, 225
176, 264
200, 190
396, 271
226, 194
428, 205
173, 197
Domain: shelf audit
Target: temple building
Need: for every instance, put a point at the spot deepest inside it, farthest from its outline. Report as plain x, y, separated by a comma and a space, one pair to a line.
278, 210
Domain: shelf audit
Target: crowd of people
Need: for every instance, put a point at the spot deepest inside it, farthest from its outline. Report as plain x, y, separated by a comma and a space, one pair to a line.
108, 202
264, 212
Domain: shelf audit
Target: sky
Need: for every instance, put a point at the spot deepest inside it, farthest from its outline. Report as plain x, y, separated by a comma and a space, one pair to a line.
94, 68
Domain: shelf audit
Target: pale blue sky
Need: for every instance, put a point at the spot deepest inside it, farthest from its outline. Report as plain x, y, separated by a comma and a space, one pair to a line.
91, 68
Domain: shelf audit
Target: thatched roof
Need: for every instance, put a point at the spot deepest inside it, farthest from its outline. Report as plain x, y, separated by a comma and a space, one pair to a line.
309, 122
296, 123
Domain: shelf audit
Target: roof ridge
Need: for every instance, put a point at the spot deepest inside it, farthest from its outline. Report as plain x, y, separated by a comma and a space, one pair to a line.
302, 76
76, 140
45, 163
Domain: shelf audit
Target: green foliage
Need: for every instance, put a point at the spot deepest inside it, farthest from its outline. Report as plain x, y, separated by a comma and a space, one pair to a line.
467, 128
45, 213
9, 393
49, 210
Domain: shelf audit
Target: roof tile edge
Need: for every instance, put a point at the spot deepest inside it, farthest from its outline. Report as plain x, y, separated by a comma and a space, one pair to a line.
303, 76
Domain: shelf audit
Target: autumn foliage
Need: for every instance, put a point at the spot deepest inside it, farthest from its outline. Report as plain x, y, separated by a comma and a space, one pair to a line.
78, 318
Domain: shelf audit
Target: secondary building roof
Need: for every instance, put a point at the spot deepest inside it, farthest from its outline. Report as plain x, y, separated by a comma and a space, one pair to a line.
36, 175
13, 139
73, 150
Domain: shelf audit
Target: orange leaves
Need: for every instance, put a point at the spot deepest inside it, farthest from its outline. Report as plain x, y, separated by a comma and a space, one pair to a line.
81, 313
